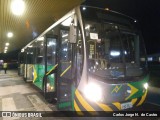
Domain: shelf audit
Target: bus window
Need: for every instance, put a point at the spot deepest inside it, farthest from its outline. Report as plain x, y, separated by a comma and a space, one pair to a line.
50, 62
114, 51
66, 56
129, 42
21, 62
30, 55
79, 55
51, 51
21, 58
40, 52
143, 57
105, 56
132, 53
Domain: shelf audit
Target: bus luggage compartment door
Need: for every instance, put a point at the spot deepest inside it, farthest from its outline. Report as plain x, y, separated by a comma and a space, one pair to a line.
64, 95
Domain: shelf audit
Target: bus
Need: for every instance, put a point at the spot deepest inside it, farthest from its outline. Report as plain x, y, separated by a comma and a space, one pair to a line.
91, 59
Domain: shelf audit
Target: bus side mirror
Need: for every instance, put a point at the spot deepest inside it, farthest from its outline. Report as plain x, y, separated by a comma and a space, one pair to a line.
72, 34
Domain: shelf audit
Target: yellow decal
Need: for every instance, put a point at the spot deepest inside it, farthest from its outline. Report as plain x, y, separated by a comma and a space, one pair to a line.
77, 108
134, 101
35, 74
65, 71
118, 105
116, 89
83, 102
142, 99
104, 107
52, 69
133, 91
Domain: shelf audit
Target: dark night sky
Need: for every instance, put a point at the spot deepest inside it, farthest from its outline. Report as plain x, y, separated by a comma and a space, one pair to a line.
147, 12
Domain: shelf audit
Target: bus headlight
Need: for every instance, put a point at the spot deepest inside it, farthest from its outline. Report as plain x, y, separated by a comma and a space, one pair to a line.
93, 92
146, 86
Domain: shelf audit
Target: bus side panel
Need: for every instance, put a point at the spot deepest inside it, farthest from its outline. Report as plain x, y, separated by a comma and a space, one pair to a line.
38, 75
39, 72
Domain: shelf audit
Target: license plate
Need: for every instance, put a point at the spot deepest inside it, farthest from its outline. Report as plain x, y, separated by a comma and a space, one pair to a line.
126, 105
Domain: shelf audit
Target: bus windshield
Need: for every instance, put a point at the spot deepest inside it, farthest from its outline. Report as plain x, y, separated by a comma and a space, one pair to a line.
114, 50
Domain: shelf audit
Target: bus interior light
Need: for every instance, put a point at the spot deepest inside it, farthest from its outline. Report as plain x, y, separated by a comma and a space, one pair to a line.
115, 53
51, 43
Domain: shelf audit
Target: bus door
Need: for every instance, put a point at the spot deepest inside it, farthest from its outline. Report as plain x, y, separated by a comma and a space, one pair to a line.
65, 73
39, 66
25, 64
50, 67
30, 62
21, 63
